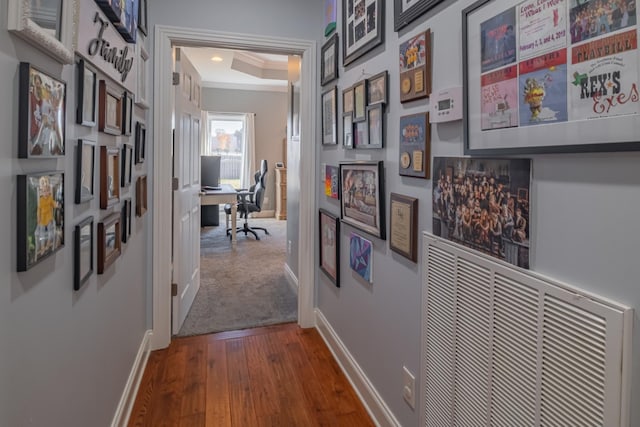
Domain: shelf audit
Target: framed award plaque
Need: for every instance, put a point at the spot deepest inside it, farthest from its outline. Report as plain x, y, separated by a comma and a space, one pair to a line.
415, 67
415, 142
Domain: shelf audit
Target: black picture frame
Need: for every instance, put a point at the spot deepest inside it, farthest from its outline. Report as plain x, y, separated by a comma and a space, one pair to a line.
41, 114
402, 18
140, 142
358, 22
83, 252
329, 60
109, 176
141, 195
126, 220
127, 26
142, 17
111, 8
109, 243
126, 169
87, 94
127, 113
403, 225
329, 117
329, 245
378, 88
360, 101
85, 171
375, 126
40, 217
414, 154
362, 196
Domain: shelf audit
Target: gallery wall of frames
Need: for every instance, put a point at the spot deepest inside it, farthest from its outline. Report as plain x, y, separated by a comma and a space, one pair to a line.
100, 131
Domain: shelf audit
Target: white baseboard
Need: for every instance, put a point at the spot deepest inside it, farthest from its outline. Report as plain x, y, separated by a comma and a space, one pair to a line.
128, 398
291, 278
377, 408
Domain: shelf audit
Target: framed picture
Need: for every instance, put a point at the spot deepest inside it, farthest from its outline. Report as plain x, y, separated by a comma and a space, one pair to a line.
362, 196
126, 220
536, 82
109, 176
347, 100
142, 17
406, 11
109, 243
141, 142
85, 164
141, 83
329, 123
110, 109
330, 246
48, 26
415, 146
415, 67
40, 219
360, 101
128, 24
111, 8
127, 165
329, 60
362, 27
360, 135
480, 203
377, 89
361, 256
141, 195
347, 130
331, 181
82, 252
375, 122
403, 226
87, 94
330, 15
127, 113
42, 114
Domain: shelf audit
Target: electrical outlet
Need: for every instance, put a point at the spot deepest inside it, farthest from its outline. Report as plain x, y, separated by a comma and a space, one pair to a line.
408, 387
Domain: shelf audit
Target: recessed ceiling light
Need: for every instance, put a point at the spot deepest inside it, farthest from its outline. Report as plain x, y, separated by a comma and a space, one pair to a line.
216, 58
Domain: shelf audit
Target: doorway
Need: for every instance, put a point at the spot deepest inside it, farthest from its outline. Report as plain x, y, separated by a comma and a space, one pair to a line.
166, 37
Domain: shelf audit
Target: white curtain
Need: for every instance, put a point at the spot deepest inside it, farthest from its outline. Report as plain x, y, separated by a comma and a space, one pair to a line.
205, 147
248, 161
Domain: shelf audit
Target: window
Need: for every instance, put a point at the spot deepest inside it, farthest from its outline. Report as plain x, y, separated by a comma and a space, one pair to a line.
226, 138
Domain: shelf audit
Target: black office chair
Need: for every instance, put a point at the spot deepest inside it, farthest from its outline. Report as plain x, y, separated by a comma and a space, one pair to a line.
251, 201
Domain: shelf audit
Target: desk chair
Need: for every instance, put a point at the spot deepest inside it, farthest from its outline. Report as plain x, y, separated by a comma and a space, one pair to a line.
251, 201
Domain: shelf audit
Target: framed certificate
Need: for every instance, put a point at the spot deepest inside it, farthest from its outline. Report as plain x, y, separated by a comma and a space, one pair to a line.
403, 211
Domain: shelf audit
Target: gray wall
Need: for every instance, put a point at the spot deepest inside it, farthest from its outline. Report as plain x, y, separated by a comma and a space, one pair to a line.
65, 355
270, 125
583, 232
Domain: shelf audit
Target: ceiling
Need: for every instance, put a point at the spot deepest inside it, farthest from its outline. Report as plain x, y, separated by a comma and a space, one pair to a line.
239, 69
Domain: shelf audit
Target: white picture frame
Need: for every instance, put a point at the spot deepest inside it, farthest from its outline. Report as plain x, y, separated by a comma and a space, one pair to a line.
57, 43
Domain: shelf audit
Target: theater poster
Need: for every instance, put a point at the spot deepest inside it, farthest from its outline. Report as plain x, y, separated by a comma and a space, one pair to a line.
542, 27
500, 98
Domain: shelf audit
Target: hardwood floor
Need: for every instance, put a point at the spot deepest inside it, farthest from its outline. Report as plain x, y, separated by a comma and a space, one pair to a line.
274, 376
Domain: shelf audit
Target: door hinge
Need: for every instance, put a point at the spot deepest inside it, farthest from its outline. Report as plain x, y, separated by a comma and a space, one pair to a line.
176, 79
175, 183
174, 289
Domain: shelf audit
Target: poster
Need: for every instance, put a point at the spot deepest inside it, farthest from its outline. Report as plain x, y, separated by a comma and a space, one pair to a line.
542, 27
331, 181
499, 99
595, 18
498, 40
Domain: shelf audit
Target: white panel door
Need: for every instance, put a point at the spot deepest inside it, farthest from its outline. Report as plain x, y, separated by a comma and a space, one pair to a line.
186, 199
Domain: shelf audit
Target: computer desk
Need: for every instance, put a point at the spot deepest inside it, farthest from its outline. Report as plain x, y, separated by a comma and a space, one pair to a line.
226, 194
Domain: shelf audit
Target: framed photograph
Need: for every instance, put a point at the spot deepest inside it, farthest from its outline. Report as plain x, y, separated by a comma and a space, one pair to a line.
42, 114
331, 181
126, 220
546, 81
330, 246
406, 11
377, 89
375, 122
142, 17
127, 113
109, 243
347, 100
330, 16
484, 204
40, 219
111, 8
329, 60
415, 67
109, 176
362, 196
360, 135
361, 256
85, 164
362, 27
127, 165
47, 25
415, 146
141, 195
360, 101
141, 83
141, 142
403, 226
329, 122
347, 130
110, 109
87, 94
128, 24
82, 252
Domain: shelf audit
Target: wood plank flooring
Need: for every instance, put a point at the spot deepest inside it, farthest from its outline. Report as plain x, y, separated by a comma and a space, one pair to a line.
276, 376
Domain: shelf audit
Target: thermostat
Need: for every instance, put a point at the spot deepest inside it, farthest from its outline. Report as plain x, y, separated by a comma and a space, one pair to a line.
446, 105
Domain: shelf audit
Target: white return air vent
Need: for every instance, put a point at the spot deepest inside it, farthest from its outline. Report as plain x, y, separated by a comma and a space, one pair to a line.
504, 347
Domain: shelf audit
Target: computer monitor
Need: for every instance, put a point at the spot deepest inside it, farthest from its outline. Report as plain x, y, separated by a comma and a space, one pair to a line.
210, 171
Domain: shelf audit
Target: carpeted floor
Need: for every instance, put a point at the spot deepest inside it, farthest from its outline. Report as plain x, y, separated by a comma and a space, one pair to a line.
244, 288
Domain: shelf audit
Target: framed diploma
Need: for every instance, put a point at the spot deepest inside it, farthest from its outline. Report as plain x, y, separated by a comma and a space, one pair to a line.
330, 246
403, 239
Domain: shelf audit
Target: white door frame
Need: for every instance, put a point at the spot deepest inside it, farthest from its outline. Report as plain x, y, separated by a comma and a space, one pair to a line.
165, 38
